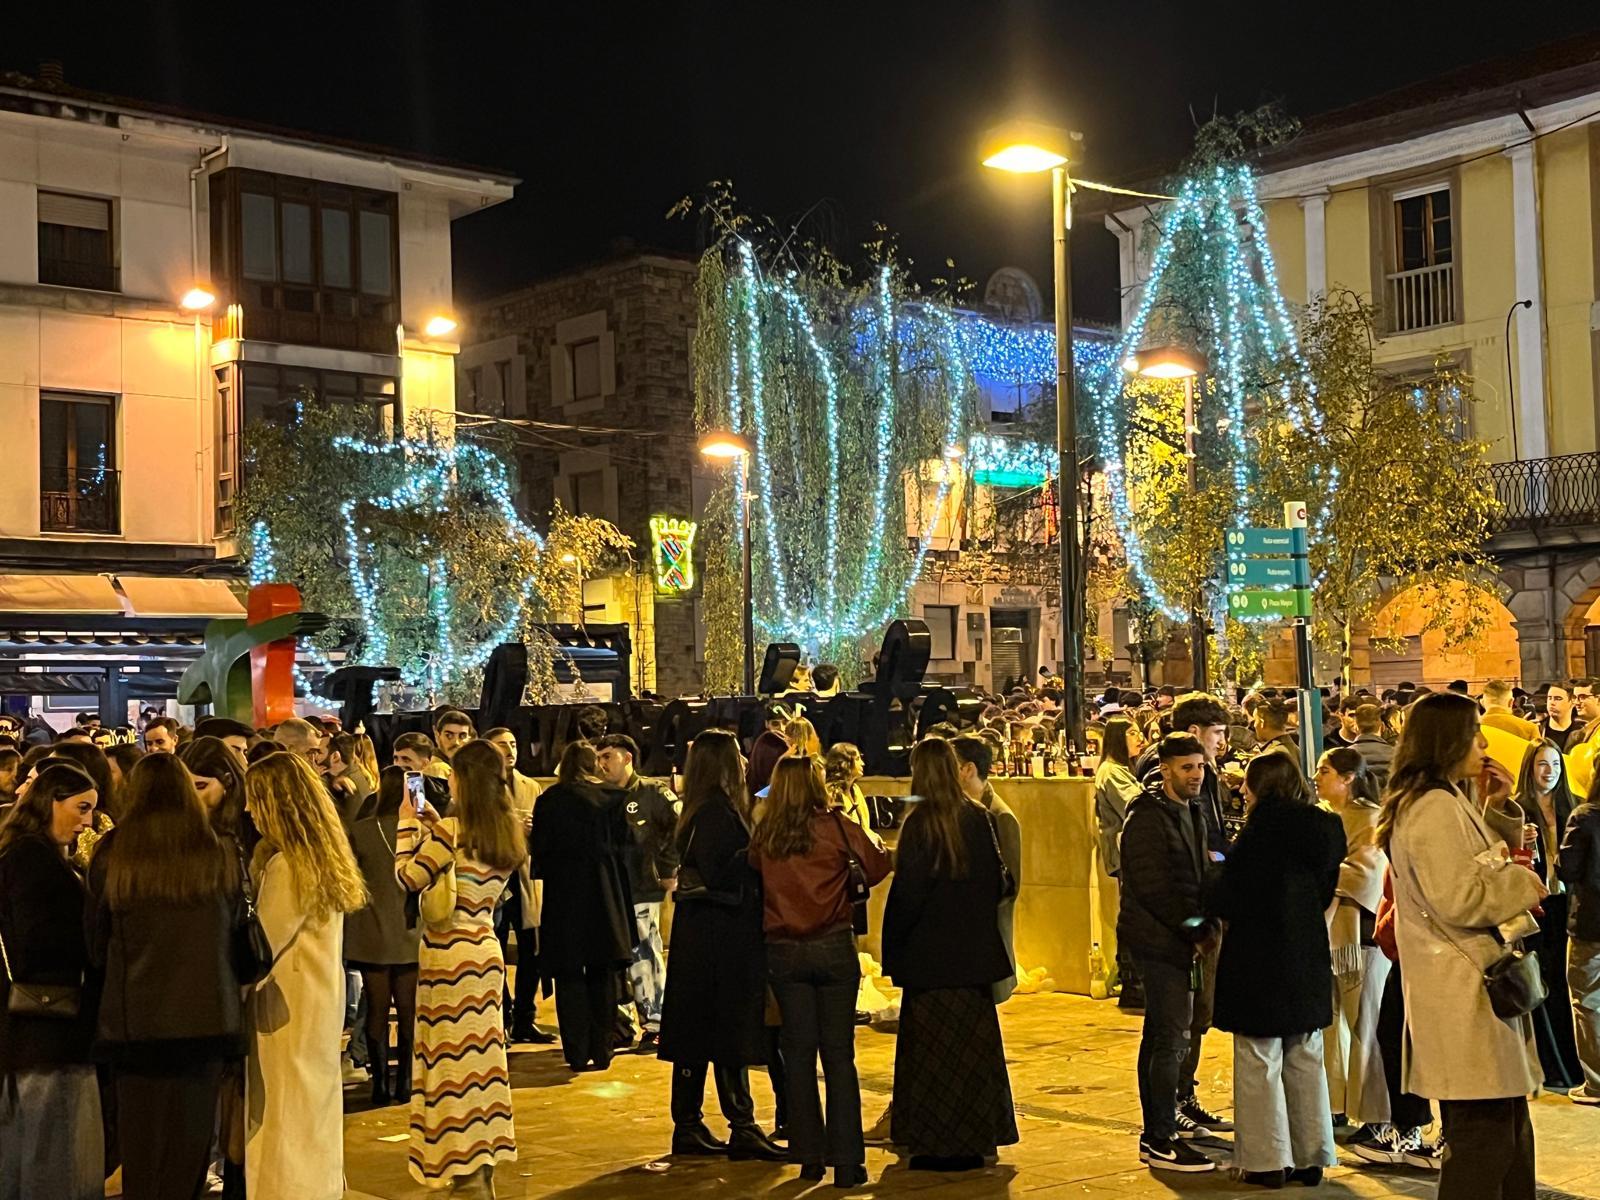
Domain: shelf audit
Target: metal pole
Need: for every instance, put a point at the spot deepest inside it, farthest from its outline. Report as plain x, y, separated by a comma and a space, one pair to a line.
749, 595
1072, 599
1197, 618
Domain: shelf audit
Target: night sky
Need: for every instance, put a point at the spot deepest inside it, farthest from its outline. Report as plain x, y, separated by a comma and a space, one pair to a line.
854, 112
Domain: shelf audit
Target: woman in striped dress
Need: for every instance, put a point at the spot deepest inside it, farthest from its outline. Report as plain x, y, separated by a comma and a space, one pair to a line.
461, 1123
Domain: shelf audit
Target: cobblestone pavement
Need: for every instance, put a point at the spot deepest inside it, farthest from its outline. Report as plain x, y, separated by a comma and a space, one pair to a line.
601, 1136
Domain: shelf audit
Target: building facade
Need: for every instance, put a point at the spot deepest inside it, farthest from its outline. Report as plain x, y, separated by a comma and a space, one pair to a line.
166, 279
1467, 208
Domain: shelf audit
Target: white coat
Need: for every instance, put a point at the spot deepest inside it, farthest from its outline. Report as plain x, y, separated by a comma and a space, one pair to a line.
294, 1104
1447, 902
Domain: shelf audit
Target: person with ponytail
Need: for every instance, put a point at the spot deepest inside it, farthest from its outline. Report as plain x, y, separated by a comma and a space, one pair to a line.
1458, 898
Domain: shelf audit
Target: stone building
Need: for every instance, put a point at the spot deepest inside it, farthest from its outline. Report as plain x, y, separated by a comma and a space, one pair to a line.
592, 371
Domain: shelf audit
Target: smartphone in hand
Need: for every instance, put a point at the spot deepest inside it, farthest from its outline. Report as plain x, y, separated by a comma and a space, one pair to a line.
416, 792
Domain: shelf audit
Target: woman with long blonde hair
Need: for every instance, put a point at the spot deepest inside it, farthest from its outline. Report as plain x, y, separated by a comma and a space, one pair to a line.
461, 1120
306, 881
801, 735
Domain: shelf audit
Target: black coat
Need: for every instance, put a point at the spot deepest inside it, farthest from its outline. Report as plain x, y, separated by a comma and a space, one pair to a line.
1275, 973
576, 846
1579, 868
717, 984
1165, 863
170, 989
41, 923
940, 932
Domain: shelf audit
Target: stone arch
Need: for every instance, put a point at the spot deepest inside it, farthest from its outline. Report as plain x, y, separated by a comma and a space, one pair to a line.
1425, 659
1578, 587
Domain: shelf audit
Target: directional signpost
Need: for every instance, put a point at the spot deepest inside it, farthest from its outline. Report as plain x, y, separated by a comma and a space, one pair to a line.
1269, 576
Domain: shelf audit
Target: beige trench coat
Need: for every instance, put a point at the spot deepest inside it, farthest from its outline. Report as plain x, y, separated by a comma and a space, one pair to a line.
525, 794
1456, 1048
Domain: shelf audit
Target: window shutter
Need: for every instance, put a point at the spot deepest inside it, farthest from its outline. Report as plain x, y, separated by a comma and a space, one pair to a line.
608, 364
80, 212
560, 373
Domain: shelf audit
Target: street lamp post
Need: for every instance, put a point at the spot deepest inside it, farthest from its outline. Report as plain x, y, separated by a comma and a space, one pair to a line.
1029, 149
1177, 362
724, 446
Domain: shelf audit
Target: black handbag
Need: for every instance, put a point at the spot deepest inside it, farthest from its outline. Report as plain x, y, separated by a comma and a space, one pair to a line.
856, 886
692, 888
58, 1001
1514, 982
252, 952
1008, 881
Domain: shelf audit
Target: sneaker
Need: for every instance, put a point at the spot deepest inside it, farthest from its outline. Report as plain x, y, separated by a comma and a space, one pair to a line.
350, 1072
1426, 1157
1582, 1095
1384, 1144
1196, 1112
1161, 1155
1189, 1128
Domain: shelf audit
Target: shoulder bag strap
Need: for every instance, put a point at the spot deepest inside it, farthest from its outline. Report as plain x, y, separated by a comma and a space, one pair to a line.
6, 959
849, 854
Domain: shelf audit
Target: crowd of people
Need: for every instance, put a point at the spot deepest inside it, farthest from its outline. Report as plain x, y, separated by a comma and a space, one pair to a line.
1411, 926
208, 936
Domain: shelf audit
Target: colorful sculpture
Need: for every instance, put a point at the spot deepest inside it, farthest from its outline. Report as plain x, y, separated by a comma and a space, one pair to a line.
247, 669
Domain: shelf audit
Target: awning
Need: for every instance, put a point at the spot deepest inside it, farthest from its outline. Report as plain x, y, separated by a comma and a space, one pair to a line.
60, 593
166, 597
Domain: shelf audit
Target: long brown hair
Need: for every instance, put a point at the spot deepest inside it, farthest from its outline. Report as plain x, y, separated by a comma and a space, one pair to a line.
578, 763
32, 815
213, 758
1114, 742
489, 829
297, 819
164, 850
1439, 731
936, 782
796, 794
714, 767
92, 761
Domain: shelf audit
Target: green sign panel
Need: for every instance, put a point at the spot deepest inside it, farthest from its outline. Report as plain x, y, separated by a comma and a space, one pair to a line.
1266, 541
1255, 602
1268, 572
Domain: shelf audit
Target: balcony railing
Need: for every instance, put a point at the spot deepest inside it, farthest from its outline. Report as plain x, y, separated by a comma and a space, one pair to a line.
1537, 493
1422, 298
79, 501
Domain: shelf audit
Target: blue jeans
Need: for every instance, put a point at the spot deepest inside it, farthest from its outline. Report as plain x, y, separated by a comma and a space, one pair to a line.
815, 982
51, 1142
1164, 1046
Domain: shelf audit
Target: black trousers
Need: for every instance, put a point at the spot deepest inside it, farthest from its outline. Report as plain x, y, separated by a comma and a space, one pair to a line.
1490, 1150
1171, 1028
733, 1094
1405, 1110
816, 983
586, 1004
166, 1124
519, 1002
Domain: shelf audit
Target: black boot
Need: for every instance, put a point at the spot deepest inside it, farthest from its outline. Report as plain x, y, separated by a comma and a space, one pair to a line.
690, 1137
402, 1070
380, 1083
747, 1142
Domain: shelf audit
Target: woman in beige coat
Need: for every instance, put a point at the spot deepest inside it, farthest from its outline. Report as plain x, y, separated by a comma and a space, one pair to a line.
1456, 894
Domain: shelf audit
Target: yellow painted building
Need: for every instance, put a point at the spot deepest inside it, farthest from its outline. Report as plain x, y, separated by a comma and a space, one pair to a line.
1467, 208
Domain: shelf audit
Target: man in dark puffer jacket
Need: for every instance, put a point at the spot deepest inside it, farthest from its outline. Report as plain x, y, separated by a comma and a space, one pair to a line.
1165, 857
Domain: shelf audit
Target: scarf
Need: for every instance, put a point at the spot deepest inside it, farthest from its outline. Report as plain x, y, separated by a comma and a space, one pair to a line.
1360, 888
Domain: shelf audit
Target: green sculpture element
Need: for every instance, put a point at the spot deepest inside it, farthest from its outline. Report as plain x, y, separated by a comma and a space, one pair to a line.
221, 676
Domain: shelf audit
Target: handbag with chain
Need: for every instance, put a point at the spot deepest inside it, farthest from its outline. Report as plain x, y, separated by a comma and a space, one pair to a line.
252, 952
59, 1001
856, 886
1514, 982
1008, 881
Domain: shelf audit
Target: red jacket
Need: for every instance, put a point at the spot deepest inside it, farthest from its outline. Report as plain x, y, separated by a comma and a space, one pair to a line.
1383, 929
805, 894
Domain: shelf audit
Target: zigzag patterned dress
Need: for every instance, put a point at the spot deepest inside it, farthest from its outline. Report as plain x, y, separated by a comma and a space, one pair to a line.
461, 1103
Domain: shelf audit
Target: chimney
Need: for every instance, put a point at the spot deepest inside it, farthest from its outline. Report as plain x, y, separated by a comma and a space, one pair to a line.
51, 73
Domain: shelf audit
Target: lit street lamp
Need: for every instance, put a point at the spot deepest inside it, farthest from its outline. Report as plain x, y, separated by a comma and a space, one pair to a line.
724, 446
1177, 362
1029, 149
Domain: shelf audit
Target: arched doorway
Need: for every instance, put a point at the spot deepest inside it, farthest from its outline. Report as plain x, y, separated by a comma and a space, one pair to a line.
1583, 635
1412, 653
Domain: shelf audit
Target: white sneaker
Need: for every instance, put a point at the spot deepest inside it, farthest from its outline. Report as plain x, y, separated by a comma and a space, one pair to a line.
350, 1073
1188, 1129
1582, 1095
1384, 1144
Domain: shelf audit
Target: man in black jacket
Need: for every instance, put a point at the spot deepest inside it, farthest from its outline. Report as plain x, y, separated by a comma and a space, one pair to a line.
1165, 859
651, 813
1579, 868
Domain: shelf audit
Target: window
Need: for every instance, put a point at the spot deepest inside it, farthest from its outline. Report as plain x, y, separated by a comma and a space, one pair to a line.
474, 388
311, 262
276, 393
502, 371
589, 494
1422, 230
75, 246
1421, 283
941, 621
586, 369
77, 463
227, 453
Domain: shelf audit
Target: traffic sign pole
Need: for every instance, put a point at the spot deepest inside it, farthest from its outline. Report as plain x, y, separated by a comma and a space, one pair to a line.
1294, 517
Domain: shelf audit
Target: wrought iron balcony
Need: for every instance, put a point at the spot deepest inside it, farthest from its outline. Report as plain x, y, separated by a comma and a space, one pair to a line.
79, 501
1543, 493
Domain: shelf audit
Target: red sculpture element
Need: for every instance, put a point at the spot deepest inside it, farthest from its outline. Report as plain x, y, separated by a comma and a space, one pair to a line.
272, 664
